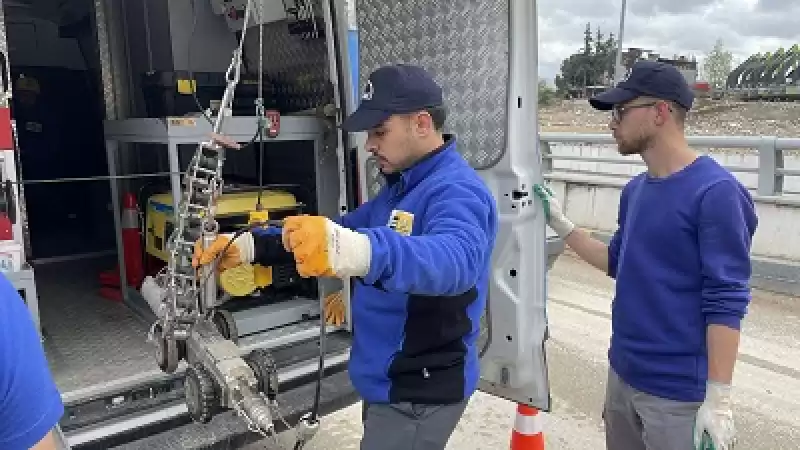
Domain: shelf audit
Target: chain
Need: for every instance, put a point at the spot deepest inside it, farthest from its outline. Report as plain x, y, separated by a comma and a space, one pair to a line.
189, 296
195, 213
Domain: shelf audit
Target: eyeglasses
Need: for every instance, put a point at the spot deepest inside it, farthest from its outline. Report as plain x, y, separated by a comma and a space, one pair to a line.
618, 112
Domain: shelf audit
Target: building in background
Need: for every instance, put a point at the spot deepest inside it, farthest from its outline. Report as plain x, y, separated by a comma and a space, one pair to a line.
686, 65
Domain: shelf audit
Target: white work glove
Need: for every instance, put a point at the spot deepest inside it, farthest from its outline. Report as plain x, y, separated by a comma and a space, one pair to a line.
322, 248
714, 422
552, 211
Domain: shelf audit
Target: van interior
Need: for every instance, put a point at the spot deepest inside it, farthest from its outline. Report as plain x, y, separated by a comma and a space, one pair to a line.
92, 336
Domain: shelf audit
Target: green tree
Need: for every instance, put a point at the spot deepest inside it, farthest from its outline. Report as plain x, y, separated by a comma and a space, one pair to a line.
587, 40
717, 65
547, 95
591, 65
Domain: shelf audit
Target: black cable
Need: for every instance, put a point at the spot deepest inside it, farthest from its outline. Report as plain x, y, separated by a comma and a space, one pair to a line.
239, 232
260, 167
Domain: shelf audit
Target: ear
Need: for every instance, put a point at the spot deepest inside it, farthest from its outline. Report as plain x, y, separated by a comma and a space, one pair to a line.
422, 123
664, 113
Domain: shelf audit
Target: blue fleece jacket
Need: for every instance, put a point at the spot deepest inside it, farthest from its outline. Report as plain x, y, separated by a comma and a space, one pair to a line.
681, 259
416, 314
30, 404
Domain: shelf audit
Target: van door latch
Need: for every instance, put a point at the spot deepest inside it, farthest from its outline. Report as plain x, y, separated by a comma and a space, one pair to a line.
518, 195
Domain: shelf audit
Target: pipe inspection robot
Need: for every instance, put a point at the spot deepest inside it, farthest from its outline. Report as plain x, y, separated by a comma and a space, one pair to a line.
185, 298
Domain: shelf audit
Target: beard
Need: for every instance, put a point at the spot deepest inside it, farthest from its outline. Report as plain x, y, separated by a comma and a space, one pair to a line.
633, 146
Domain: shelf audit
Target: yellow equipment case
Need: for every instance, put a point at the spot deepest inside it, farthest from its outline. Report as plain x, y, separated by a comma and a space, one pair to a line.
235, 208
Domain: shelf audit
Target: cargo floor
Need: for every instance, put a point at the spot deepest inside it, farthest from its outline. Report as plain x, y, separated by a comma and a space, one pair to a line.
88, 339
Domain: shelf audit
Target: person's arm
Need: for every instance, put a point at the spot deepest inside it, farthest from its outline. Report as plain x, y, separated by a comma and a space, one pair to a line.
30, 403
726, 223
268, 247
47, 443
357, 218
447, 257
591, 250
267, 242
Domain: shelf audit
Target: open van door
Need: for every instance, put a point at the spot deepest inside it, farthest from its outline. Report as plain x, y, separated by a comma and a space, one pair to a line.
484, 55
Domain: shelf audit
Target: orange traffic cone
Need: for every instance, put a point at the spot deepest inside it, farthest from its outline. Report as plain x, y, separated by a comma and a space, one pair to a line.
527, 433
132, 250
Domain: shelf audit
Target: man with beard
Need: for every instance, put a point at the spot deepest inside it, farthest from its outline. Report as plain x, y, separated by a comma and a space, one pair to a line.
681, 260
419, 253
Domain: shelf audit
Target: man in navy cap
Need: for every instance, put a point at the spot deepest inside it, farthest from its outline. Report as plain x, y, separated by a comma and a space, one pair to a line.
681, 260
419, 252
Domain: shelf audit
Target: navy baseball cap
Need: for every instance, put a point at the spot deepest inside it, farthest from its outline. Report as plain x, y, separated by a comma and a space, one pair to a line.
395, 89
647, 78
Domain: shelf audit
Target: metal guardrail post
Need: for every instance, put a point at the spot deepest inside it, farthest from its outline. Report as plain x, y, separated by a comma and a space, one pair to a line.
547, 161
770, 159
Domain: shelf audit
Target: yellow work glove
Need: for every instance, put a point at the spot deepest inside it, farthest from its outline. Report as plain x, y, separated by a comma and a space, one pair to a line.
236, 274
334, 309
238, 252
322, 248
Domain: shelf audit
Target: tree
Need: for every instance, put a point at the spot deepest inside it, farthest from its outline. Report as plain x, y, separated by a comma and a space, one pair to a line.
718, 65
547, 95
589, 66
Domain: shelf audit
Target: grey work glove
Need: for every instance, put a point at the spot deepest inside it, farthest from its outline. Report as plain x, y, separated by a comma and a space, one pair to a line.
552, 211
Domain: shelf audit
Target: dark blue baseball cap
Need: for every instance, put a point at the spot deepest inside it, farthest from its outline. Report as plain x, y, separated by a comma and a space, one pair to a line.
651, 79
390, 90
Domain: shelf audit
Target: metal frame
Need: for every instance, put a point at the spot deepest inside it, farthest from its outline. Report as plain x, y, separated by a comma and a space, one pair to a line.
175, 131
771, 171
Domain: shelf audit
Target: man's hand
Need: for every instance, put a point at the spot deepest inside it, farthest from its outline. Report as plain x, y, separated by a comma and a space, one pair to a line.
334, 309
714, 423
239, 251
322, 248
552, 211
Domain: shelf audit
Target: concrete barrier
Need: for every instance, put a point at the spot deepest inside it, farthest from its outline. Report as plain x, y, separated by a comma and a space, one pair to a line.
592, 202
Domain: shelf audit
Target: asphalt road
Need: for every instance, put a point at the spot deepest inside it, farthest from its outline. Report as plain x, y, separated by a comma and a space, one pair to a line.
766, 381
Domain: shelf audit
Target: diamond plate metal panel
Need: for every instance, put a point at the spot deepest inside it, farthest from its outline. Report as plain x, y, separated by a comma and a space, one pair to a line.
464, 47
375, 180
296, 68
89, 340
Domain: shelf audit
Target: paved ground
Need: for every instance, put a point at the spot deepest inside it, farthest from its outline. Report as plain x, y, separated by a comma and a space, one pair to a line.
767, 378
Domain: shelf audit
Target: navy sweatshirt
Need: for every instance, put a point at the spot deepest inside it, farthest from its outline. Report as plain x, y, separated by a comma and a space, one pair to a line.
681, 260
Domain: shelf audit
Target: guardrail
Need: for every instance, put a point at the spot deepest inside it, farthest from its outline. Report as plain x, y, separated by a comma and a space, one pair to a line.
770, 162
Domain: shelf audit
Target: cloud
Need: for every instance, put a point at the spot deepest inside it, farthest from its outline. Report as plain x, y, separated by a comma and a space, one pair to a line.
668, 27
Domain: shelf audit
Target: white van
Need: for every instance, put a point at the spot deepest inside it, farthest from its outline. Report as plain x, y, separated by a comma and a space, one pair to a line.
108, 111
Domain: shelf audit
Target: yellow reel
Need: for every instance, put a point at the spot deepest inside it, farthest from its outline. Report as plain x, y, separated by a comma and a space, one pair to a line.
238, 281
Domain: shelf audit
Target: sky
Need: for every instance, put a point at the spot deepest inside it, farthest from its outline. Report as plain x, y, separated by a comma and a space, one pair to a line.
668, 27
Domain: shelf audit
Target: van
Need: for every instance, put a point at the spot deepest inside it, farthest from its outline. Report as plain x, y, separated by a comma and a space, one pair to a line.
110, 100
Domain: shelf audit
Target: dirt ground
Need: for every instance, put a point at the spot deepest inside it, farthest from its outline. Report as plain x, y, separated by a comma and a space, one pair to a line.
708, 117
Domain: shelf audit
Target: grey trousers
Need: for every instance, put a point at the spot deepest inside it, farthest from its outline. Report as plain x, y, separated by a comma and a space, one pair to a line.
638, 421
406, 426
